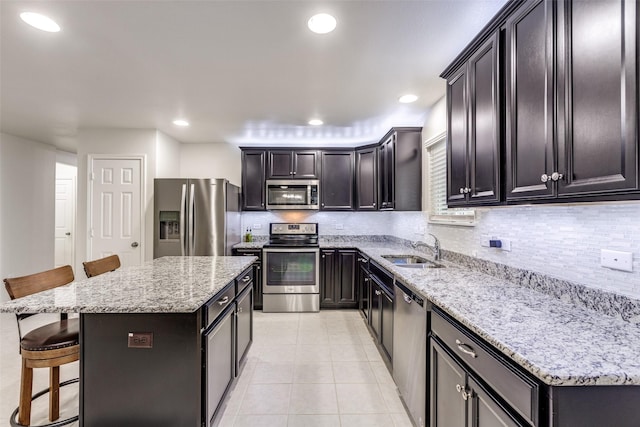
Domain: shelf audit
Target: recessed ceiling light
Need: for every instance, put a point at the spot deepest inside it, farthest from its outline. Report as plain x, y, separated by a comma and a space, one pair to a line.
40, 22
316, 122
322, 23
407, 99
180, 122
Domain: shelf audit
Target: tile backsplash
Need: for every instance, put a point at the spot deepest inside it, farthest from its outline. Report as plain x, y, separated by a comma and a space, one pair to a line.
562, 241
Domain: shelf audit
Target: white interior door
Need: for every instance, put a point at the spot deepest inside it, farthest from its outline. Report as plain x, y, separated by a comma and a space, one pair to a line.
117, 222
64, 221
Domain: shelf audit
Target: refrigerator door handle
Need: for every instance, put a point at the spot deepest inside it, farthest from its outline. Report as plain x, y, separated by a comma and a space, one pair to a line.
183, 207
192, 219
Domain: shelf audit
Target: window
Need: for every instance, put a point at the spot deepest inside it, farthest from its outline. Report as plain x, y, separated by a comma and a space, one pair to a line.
437, 186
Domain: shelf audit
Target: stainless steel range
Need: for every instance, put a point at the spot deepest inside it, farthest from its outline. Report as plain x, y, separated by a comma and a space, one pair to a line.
291, 277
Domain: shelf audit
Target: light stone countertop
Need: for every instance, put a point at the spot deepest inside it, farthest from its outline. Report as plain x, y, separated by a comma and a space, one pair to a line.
164, 285
560, 343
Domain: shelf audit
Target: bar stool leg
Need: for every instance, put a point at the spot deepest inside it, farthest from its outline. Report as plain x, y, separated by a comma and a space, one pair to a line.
54, 393
26, 384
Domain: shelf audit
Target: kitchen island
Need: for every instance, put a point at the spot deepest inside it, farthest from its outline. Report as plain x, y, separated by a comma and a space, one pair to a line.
160, 343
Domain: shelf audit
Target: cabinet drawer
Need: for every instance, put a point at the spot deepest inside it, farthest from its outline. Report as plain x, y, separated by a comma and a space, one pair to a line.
513, 386
244, 280
217, 304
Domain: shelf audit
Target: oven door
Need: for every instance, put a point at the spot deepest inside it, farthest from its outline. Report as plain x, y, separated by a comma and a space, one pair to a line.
291, 270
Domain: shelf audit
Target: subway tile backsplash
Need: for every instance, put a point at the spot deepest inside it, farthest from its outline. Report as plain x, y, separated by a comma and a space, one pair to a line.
561, 241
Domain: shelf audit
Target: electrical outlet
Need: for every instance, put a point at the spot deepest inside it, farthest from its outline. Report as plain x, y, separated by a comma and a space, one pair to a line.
505, 244
257, 226
616, 260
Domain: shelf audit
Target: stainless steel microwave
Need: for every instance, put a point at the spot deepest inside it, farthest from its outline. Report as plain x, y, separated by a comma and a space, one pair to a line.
293, 194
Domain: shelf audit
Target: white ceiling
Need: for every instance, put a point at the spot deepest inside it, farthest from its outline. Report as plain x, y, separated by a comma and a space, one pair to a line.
241, 71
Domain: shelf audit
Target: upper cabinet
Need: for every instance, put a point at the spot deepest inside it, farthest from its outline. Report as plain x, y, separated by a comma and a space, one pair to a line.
400, 170
386, 175
293, 164
366, 179
473, 128
567, 74
253, 182
336, 185
590, 149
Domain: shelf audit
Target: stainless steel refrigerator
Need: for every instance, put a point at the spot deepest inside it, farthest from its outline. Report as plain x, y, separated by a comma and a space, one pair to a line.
195, 217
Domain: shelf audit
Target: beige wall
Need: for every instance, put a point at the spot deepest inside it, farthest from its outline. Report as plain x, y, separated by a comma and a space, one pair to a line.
215, 160
27, 207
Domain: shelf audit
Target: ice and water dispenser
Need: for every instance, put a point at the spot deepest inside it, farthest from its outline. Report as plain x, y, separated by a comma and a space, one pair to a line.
169, 225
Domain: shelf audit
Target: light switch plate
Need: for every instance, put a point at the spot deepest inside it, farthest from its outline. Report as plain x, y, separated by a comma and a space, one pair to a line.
616, 260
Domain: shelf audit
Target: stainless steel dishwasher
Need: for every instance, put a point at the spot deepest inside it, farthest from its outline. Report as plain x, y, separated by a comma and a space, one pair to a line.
410, 351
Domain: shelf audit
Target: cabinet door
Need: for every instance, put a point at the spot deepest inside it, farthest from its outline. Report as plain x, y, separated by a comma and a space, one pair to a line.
280, 165
336, 188
257, 285
387, 324
376, 307
457, 148
484, 132
253, 185
597, 91
244, 326
366, 183
220, 362
305, 165
327, 277
364, 291
486, 412
386, 159
448, 379
347, 294
530, 102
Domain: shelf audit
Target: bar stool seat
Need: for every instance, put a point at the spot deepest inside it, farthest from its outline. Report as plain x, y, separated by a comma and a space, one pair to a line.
64, 333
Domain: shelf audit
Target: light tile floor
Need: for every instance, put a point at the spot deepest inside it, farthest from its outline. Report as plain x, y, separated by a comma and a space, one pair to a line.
303, 369
314, 369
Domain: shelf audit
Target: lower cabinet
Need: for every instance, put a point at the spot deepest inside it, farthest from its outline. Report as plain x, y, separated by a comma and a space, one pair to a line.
244, 326
220, 364
364, 286
458, 400
257, 273
338, 278
381, 310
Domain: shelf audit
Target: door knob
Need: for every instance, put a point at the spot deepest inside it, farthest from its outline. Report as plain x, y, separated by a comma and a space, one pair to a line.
134, 245
68, 233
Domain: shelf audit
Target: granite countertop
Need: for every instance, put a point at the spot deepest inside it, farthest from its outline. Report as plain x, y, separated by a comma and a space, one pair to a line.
560, 343
164, 285
556, 341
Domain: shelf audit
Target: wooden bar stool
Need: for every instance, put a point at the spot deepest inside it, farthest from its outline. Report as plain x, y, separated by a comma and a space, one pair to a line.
48, 346
102, 265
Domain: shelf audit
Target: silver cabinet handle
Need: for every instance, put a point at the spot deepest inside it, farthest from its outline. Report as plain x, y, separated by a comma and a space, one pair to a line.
134, 245
374, 205
544, 178
223, 301
366, 279
407, 299
556, 176
467, 190
290, 173
466, 349
294, 172
246, 279
240, 310
458, 388
466, 395
461, 190
378, 292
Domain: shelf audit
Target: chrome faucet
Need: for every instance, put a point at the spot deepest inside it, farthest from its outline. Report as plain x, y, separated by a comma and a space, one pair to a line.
436, 247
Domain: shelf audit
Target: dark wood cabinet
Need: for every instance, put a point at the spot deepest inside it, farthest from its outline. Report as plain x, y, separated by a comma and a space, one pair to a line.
597, 129
253, 180
473, 126
338, 287
381, 309
578, 137
364, 286
336, 184
366, 179
257, 273
400, 170
458, 400
293, 164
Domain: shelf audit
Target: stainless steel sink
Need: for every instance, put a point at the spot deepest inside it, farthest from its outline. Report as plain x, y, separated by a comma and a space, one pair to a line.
411, 261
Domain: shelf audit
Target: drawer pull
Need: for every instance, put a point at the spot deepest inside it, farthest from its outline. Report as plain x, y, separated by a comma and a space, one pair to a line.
246, 279
466, 395
223, 301
466, 349
378, 292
